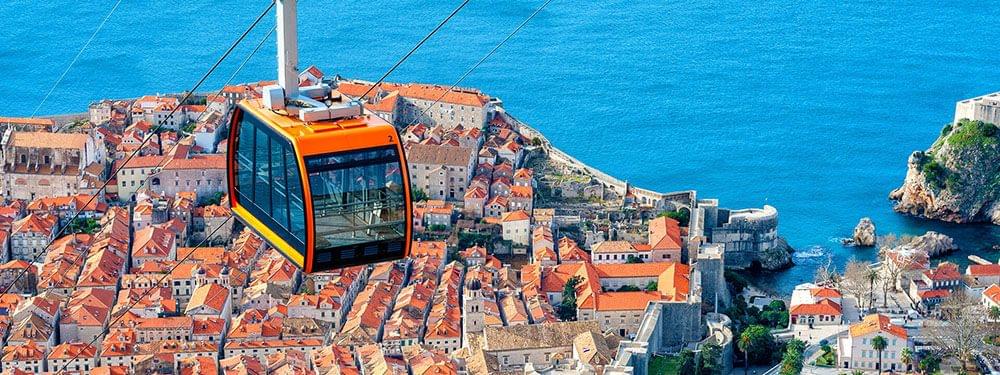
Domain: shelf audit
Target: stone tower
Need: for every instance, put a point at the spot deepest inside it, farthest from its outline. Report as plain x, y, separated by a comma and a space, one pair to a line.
712, 266
472, 306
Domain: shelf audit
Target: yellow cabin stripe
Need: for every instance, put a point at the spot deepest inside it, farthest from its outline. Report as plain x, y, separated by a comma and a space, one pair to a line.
272, 238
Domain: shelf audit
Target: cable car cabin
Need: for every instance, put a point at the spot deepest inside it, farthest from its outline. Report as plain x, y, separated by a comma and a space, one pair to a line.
326, 194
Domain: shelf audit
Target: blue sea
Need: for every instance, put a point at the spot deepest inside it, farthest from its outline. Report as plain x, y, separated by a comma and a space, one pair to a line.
810, 106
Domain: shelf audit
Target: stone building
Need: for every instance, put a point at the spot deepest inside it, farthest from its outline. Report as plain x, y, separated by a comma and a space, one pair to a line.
42, 164
203, 174
750, 236
538, 345
412, 103
26, 124
855, 350
984, 108
30, 236
442, 172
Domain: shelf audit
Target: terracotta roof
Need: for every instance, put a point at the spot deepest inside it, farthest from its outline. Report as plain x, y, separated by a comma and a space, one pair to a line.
877, 323
983, 270
27, 121
521, 192
211, 295
440, 155
629, 270
625, 301
153, 242
536, 336
77, 202
168, 322
945, 271
570, 251
26, 352
241, 365
75, 350
512, 216
198, 366
614, 247
474, 252
34, 223
595, 349
823, 307
203, 162
993, 293
934, 293
71, 141
664, 233
825, 292
460, 96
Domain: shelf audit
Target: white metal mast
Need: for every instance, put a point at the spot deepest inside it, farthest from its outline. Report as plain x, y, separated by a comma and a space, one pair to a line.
288, 47
306, 103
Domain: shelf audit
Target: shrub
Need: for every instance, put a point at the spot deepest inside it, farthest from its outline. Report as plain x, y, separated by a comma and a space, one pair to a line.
973, 134
946, 129
934, 173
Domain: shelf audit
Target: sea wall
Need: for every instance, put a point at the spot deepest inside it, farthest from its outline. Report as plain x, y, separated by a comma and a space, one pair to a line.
676, 199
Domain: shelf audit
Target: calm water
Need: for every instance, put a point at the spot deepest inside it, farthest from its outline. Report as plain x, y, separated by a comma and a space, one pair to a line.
808, 106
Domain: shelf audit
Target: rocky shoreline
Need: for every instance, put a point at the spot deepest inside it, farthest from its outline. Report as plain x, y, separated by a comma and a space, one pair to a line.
957, 179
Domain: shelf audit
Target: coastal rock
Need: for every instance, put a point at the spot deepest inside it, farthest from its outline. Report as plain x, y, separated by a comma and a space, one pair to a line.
777, 257
864, 233
957, 179
934, 244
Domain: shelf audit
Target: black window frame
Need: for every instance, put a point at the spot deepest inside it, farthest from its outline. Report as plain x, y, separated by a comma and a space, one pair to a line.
328, 258
246, 198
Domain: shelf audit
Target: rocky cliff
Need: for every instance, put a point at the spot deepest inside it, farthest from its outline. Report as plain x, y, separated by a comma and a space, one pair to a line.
864, 233
778, 257
957, 179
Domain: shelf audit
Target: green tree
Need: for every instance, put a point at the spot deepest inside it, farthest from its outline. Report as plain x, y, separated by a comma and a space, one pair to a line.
84, 226
757, 343
879, 343
687, 365
633, 259
536, 141
994, 313
791, 362
418, 194
208, 200
906, 357
930, 363
628, 288
711, 359
652, 286
567, 309
873, 276
682, 216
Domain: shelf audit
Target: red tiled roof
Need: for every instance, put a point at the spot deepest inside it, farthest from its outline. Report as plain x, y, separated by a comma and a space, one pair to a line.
625, 301
993, 293
983, 270
512, 216
945, 271
823, 307
824, 292
877, 323
664, 233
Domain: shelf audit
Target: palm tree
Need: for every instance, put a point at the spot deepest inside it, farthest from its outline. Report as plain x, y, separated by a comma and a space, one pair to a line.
994, 313
906, 357
879, 343
744, 343
872, 276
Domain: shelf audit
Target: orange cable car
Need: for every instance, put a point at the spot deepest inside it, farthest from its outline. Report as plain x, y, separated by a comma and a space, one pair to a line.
322, 182
327, 195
